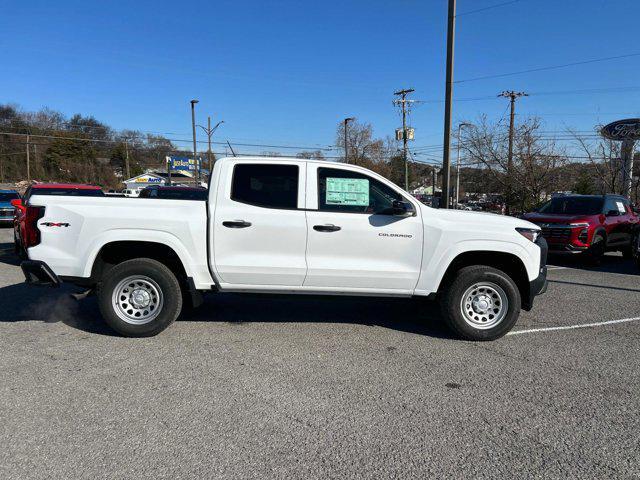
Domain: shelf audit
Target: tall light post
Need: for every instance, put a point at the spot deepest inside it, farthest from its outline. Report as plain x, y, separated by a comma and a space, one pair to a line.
193, 128
209, 131
458, 163
346, 151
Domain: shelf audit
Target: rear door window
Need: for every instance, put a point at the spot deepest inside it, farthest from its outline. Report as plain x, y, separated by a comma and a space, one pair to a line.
266, 185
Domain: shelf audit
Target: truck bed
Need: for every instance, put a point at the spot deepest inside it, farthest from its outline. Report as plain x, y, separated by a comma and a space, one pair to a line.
75, 229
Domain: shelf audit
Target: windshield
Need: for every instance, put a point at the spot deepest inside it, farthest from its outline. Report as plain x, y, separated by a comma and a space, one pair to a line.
8, 196
573, 206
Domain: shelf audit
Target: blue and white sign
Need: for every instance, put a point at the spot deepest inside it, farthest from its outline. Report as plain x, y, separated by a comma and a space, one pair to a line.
628, 129
185, 165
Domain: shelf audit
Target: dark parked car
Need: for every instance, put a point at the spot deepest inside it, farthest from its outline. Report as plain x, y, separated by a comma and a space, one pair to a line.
174, 193
591, 224
6, 208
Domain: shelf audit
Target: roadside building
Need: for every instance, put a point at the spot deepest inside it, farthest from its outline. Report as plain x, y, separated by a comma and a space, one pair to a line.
137, 183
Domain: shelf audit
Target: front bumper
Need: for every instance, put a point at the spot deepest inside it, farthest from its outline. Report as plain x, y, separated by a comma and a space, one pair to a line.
538, 286
38, 273
566, 248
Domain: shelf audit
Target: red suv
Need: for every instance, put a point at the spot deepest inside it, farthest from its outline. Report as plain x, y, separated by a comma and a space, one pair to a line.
25, 233
592, 224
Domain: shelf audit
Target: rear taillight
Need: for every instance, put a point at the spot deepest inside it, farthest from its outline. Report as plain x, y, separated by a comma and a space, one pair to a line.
31, 231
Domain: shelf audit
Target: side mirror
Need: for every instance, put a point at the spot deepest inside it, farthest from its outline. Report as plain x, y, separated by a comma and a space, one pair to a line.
401, 208
16, 202
612, 213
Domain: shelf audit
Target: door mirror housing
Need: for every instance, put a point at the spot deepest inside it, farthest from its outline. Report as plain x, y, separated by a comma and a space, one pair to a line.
400, 208
16, 202
612, 213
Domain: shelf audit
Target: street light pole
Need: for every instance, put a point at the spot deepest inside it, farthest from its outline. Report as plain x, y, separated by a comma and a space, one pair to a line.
458, 163
193, 128
209, 131
346, 151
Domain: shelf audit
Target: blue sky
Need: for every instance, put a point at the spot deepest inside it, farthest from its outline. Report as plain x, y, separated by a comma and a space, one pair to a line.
285, 72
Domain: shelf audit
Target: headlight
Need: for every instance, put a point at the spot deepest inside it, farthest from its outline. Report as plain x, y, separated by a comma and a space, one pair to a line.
529, 233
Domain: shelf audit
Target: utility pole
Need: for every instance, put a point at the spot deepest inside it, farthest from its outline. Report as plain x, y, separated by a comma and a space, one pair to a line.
28, 166
209, 131
458, 163
403, 102
448, 100
434, 180
126, 157
193, 128
346, 148
512, 96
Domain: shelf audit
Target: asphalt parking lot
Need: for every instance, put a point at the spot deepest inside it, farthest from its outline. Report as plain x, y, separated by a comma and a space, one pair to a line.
309, 387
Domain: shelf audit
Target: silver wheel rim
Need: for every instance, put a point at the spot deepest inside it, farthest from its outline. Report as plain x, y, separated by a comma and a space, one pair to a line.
137, 299
484, 305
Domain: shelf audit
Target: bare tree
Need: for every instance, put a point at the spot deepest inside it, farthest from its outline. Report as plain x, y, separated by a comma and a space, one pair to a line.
605, 156
531, 178
315, 155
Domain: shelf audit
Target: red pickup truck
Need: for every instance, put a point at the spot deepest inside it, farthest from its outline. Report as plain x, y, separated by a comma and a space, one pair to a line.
589, 224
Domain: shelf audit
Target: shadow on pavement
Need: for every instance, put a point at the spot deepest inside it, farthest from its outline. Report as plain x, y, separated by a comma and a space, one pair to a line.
7, 255
610, 263
411, 315
20, 302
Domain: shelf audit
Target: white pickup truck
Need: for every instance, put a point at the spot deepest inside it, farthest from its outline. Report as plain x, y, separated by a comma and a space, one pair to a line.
290, 226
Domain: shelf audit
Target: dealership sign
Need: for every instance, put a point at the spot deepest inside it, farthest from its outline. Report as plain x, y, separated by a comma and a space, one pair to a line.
146, 179
182, 164
622, 130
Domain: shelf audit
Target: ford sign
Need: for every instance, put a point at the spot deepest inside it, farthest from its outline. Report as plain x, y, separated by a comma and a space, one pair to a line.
622, 130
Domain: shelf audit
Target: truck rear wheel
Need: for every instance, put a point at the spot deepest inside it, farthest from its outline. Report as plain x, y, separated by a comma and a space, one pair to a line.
140, 297
482, 303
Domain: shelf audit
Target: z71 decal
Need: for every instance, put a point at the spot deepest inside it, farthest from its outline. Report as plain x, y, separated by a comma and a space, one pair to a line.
54, 224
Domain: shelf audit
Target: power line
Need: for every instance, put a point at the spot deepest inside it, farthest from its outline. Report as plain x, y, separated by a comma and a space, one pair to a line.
178, 140
545, 93
469, 12
550, 67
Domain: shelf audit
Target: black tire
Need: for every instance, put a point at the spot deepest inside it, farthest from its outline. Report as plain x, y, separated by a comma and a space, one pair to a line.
627, 253
452, 305
635, 248
597, 249
169, 292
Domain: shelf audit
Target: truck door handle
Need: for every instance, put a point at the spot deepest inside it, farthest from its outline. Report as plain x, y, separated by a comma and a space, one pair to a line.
326, 228
236, 224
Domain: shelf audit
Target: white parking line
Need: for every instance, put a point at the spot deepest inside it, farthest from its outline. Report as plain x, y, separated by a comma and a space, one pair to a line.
554, 267
571, 327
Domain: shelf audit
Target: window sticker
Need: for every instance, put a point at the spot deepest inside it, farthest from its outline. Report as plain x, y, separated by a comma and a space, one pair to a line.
347, 191
621, 208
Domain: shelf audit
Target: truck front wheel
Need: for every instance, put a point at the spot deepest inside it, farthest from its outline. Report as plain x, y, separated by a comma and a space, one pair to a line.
482, 303
140, 297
